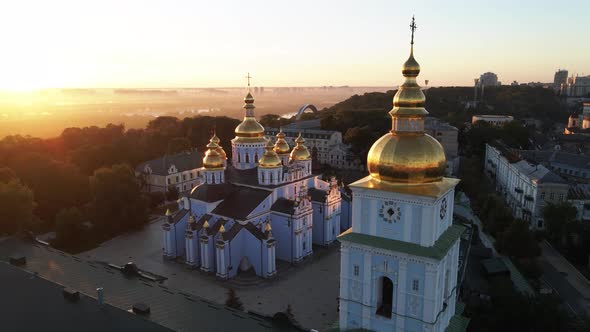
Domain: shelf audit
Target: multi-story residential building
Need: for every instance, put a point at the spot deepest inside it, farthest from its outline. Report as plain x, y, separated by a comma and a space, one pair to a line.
326, 146
525, 186
496, 120
560, 78
579, 197
180, 170
447, 135
570, 166
578, 86
488, 79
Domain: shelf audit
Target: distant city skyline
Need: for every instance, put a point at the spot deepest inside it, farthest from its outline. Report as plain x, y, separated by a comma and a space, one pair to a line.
136, 44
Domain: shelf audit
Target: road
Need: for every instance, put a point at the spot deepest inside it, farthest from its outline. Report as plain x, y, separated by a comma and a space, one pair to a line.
565, 279
571, 286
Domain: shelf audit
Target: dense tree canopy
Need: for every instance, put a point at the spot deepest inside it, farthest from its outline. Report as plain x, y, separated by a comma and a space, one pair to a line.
517, 241
16, 206
117, 203
560, 219
69, 228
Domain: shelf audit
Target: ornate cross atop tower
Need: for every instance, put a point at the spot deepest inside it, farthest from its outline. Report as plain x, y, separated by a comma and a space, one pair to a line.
248, 77
413, 27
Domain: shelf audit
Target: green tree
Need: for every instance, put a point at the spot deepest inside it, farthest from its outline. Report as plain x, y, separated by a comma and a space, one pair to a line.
517, 241
56, 184
16, 207
156, 199
69, 229
272, 121
560, 220
172, 193
117, 203
178, 144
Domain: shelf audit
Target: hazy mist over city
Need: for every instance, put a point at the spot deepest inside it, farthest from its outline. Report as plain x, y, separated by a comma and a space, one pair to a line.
45, 113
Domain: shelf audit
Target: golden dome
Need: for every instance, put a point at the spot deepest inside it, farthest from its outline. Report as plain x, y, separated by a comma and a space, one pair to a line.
269, 159
249, 130
281, 146
406, 159
300, 152
406, 154
220, 150
212, 158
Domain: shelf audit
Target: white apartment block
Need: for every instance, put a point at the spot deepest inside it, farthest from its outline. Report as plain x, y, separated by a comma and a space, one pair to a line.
526, 187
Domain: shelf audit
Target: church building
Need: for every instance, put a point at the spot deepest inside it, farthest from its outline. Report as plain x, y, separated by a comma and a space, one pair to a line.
399, 260
262, 205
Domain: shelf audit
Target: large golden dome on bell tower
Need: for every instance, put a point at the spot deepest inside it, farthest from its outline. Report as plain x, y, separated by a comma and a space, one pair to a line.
406, 154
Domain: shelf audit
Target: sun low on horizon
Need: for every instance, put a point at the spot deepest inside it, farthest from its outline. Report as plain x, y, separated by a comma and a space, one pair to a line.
98, 44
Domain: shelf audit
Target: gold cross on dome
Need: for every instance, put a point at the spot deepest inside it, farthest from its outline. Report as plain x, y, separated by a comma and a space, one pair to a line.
248, 77
413, 27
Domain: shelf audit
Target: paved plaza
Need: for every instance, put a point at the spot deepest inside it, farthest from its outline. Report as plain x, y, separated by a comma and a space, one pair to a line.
310, 288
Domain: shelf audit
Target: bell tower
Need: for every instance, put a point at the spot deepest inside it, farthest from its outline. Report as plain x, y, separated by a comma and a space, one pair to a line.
399, 260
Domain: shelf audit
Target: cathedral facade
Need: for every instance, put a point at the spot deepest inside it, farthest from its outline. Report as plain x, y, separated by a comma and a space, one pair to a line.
262, 205
399, 260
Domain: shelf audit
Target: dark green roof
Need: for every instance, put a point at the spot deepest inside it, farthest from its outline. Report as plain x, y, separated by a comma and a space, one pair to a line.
519, 281
495, 266
457, 323
437, 251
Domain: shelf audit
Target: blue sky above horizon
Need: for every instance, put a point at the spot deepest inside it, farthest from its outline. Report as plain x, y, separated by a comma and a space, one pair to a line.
108, 43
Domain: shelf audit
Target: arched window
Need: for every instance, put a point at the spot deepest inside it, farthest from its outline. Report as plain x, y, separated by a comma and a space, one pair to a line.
247, 158
256, 158
385, 297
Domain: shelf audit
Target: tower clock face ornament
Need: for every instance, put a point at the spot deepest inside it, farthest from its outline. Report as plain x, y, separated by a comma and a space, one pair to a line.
443, 208
390, 212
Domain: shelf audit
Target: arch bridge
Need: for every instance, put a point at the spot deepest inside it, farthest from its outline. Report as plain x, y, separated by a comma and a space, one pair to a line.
304, 108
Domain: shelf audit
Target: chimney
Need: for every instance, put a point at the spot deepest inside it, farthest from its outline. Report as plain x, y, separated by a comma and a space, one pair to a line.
100, 296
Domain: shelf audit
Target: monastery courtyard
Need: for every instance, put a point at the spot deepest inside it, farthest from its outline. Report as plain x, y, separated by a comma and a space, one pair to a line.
311, 288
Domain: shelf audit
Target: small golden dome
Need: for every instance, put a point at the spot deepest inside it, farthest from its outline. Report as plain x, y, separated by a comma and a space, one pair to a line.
269, 159
406, 154
281, 146
220, 150
206, 224
212, 158
300, 151
411, 68
268, 228
249, 130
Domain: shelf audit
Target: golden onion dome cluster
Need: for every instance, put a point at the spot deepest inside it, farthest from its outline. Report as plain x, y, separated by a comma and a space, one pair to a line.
300, 151
269, 159
281, 145
220, 150
212, 158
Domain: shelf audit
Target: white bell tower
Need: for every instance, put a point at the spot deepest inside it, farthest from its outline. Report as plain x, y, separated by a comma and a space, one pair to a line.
399, 260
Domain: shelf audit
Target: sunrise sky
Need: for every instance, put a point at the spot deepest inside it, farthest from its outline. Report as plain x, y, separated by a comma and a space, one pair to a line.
122, 43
